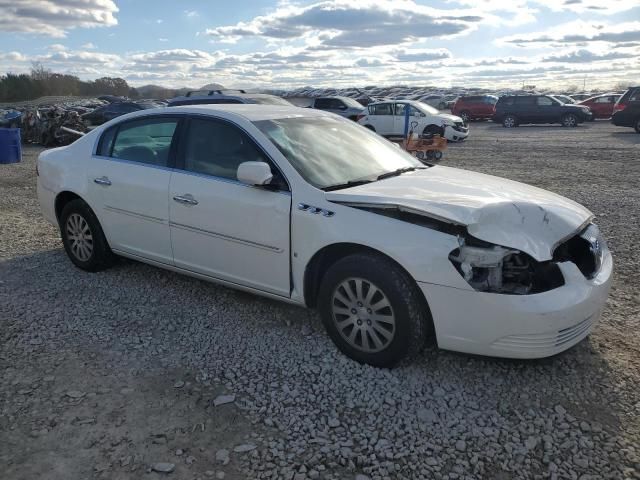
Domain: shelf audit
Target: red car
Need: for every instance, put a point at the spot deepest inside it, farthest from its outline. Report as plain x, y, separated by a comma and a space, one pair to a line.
601, 105
474, 107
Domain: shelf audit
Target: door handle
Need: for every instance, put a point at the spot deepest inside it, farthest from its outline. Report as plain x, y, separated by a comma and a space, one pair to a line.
102, 181
186, 199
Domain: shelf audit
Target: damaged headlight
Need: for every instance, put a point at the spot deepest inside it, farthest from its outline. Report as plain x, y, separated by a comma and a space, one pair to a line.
492, 268
586, 249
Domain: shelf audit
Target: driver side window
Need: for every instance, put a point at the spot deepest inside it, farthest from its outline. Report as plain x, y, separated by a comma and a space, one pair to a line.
217, 148
545, 101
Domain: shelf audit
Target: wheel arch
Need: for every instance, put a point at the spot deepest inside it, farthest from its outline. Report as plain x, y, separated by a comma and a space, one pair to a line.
329, 255
62, 199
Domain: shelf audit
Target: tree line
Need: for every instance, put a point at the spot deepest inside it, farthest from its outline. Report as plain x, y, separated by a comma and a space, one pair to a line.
43, 82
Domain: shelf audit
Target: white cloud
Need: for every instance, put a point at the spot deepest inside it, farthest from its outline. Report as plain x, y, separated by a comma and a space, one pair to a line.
191, 13
353, 23
89, 46
577, 32
55, 18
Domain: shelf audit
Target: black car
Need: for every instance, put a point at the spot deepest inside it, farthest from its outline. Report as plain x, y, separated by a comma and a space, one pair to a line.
626, 111
108, 112
514, 110
203, 97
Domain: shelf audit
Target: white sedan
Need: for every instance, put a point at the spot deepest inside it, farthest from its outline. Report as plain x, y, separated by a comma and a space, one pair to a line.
388, 119
309, 208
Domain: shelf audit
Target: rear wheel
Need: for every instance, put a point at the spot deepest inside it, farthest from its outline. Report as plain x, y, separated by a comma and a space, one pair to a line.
509, 121
83, 238
372, 310
569, 120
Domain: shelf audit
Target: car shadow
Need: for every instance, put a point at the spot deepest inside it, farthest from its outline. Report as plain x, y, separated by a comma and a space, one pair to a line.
629, 136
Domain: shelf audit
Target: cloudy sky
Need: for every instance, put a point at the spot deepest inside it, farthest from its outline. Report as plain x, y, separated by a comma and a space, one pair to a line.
271, 43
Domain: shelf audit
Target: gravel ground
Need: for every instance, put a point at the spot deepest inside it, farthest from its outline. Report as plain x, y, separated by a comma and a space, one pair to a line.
136, 372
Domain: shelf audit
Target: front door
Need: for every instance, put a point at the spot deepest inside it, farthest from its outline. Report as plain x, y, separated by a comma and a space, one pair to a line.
128, 182
221, 227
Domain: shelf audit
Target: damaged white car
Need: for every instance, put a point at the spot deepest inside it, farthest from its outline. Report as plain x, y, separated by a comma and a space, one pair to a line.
306, 207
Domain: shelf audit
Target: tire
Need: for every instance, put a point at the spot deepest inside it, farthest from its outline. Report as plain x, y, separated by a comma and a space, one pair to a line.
569, 120
91, 254
437, 155
465, 115
405, 335
637, 126
509, 121
431, 130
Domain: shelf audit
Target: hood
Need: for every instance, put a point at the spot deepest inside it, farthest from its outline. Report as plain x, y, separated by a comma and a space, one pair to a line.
450, 118
493, 209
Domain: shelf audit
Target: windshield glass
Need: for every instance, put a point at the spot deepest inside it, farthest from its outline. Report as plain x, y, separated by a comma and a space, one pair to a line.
426, 108
332, 151
270, 100
350, 102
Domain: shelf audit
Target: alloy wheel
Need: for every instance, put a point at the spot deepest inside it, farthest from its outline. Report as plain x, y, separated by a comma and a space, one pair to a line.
509, 122
79, 237
363, 315
569, 121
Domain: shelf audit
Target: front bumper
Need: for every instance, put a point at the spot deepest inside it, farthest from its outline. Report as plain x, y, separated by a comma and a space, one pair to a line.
520, 326
455, 134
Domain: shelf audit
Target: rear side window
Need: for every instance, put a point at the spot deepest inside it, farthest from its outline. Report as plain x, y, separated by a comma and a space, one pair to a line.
635, 95
146, 141
525, 100
506, 100
381, 109
471, 99
544, 101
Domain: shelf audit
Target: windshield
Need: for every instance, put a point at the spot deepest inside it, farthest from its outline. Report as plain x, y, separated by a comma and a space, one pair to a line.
350, 102
271, 100
426, 108
332, 151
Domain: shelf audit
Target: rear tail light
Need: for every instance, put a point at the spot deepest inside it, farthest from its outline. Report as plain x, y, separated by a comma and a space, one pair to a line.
618, 107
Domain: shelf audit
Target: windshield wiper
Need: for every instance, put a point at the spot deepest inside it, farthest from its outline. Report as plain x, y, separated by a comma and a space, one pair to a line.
395, 173
350, 183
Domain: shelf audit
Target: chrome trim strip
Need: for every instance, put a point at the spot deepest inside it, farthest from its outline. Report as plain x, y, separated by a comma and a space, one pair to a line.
210, 278
225, 237
135, 214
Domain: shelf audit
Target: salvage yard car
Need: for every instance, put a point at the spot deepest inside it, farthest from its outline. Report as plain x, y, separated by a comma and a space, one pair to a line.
626, 111
515, 110
307, 207
388, 119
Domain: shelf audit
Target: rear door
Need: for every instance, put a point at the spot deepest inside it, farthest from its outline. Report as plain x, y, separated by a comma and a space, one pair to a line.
128, 181
382, 118
525, 108
219, 226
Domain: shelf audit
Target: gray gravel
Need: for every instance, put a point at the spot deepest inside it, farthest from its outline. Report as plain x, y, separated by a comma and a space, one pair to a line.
120, 373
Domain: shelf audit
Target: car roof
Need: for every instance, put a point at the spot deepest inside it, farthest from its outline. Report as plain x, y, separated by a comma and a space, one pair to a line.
251, 111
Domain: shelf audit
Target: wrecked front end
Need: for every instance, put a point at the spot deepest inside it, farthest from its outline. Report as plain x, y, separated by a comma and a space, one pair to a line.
528, 302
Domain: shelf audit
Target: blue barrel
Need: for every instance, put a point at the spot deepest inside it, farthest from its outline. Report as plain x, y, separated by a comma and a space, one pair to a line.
10, 146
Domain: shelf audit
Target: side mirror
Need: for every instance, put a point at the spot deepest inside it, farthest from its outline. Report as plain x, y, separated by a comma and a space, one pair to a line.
254, 173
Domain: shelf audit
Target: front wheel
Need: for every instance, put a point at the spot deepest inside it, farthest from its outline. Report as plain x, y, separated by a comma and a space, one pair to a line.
465, 116
431, 130
372, 310
570, 120
83, 238
637, 127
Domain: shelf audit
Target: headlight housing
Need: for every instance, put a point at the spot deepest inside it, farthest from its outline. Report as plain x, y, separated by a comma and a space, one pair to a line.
495, 269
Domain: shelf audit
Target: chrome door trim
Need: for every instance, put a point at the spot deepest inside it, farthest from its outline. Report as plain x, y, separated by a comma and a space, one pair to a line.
229, 238
135, 214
